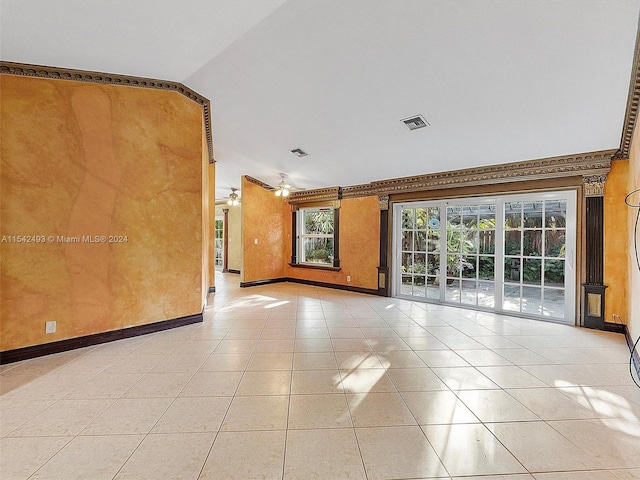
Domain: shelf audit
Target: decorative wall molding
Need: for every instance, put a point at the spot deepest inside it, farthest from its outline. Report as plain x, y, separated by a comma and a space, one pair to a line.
317, 195
260, 183
55, 73
383, 202
631, 112
594, 185
583, 164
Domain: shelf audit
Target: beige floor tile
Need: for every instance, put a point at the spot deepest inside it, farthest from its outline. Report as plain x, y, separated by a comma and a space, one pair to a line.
471, 450
274, 346
277, 333
584, 475
550, 404
358, 360
438, 408
257, 413
128, 416
314, 361
319, 411
522, 356
236, 346
193, 415
400, 359
21, 457
379, 410
442, 358
212, 384
483, 358
159, 385
464, 378
398, 452
496, 406
134, 364
631, 474
555, 375
540, 448
351, 345
610, 441
63, 418
389, 344
14, 413
270, 361
416, 380
367, 380
316, 381
92, 457
105, 385
498, 477
226, 362
246, 456
277, 382
173, 455
313, 344
323, 454
511, 377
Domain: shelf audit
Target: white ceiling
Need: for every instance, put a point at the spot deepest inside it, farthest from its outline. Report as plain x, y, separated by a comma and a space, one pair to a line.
498, 80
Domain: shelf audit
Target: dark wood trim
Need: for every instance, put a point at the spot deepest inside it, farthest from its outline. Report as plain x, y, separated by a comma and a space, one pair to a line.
231, 270
336, 237
315, 266
26, 353
335, 286
634, 353
594, 250
212, 289
225, 240
257, 283
614, 327
294, 237
383, 267
633, 99
74, 75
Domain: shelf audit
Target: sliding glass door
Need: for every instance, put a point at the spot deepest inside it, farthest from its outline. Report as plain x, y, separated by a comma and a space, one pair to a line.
512, 254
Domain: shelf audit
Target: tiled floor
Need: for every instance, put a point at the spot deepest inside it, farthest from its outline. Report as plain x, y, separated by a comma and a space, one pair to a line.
291, 382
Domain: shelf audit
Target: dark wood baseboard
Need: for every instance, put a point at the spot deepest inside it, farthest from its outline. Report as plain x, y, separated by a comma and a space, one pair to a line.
336, 286
257, 283
615, 327
233, 271
26, 353
634, 353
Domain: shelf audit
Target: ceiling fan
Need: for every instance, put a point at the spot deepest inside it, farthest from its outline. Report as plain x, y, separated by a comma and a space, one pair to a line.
284, 189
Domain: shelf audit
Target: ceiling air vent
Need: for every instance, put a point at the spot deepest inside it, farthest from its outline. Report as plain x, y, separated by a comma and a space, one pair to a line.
415, 122
299, 152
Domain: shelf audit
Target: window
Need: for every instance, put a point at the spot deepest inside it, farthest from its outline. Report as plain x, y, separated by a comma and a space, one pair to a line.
219, 243
316, 242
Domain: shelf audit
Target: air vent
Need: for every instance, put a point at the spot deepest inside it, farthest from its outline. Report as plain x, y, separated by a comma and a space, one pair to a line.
299, 152
413, 123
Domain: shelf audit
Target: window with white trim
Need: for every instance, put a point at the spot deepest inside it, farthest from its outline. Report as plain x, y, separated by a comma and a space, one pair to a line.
316, 236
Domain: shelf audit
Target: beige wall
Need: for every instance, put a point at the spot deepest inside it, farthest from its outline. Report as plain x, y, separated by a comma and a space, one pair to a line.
90, 160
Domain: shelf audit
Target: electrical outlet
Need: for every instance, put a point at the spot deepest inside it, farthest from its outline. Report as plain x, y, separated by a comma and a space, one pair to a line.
255, 241
50, 327
348, 278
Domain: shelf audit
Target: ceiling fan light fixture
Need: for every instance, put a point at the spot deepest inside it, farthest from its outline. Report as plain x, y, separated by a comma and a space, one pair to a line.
283, 189
233, 198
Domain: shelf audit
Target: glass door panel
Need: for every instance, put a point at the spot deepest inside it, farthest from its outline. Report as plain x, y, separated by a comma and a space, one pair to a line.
511, 254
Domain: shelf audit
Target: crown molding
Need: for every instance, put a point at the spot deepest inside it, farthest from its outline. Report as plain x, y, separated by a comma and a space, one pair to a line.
55, 73
260, 183
316, 195
631, 112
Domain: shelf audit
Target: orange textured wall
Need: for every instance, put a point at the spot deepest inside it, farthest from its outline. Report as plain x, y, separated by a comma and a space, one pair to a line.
633, 275
359, 246
264, 217
87, 160
615, 240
